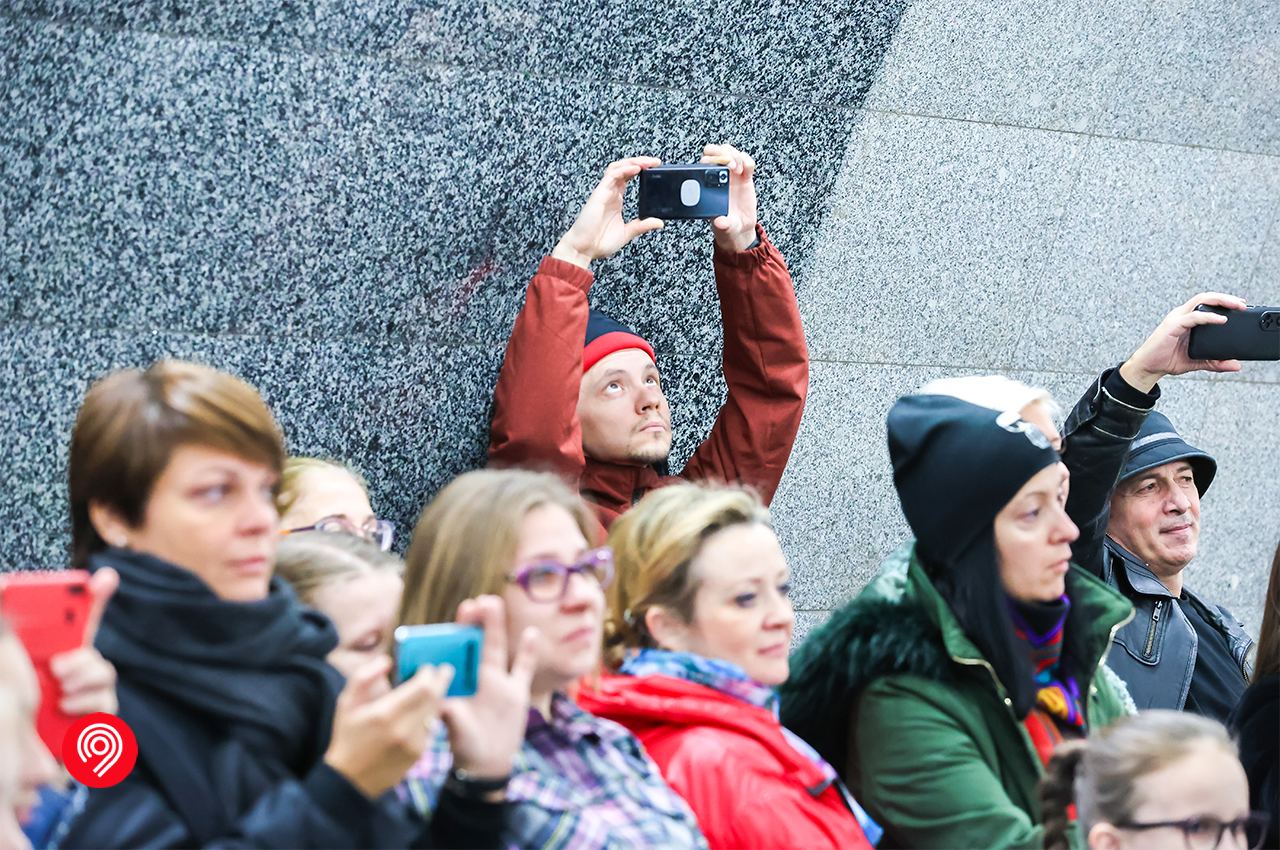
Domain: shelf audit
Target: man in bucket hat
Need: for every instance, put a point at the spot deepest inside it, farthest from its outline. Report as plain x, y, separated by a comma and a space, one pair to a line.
580, 394
1135, 487
1179, 651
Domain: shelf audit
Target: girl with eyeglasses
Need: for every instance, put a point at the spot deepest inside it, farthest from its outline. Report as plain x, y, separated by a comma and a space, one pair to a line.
323, 495
1160, 779
700, 624
350, 581
579, 781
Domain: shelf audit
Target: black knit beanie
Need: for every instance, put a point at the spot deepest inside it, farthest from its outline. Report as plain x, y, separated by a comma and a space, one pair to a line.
955, 466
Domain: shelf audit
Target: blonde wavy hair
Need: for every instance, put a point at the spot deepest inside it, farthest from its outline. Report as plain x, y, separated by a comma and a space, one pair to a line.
297, 466
654, 545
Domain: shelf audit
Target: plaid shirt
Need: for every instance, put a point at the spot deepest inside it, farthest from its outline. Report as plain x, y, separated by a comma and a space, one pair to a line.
580, 783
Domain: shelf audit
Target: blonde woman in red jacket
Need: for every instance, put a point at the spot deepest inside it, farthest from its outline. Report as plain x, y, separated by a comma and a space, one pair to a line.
698, 635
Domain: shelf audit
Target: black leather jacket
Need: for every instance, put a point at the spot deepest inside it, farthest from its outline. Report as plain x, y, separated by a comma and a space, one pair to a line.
1155, 652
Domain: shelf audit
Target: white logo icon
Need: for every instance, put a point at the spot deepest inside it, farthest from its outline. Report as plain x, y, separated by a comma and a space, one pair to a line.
690, 193
100, 741
1013, 423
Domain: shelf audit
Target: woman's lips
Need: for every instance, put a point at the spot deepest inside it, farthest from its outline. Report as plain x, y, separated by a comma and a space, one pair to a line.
252, 566
586, 634
778, 650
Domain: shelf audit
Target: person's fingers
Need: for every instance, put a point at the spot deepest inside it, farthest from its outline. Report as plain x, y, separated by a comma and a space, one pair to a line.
362, 687
1217, 299
422, 694
721, 222
1224, 365
489, 613
90, 702
102, 586
639, 227
526, 660
1199, 317
82, 670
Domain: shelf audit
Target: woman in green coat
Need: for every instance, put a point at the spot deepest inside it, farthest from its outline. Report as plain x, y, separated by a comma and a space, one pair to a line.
942, 692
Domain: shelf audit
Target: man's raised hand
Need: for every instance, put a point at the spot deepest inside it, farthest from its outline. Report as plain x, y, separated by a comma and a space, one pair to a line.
1165, 351
599, 231
737, 230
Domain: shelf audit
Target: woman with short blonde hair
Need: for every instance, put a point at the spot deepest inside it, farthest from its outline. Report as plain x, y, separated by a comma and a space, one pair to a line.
699, 631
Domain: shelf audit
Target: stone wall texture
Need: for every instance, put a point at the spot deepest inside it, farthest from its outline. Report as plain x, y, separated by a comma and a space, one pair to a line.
342, 202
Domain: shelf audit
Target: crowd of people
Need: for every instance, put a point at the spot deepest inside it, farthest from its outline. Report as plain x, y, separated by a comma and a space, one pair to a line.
1028, 671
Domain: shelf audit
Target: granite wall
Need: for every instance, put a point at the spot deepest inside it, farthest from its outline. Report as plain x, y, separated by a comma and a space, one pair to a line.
342, 201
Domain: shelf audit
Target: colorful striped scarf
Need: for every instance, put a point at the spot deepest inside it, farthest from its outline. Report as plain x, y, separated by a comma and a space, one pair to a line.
1039, 625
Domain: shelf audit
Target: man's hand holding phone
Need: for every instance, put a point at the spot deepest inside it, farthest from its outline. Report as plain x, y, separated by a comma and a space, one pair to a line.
599, 231
737, 230
1165, 351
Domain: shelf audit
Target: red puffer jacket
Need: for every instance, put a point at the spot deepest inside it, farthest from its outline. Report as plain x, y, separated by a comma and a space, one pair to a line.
748, 787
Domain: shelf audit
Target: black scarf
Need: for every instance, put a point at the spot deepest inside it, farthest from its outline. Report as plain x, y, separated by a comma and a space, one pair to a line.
251, 674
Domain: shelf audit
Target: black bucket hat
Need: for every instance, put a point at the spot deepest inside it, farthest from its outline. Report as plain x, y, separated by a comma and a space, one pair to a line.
1159, 443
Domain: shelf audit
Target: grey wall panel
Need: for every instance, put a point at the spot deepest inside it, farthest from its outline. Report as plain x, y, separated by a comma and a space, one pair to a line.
342, 201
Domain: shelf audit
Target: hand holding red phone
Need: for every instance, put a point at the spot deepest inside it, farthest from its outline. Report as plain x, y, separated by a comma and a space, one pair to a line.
56, 617
87, 680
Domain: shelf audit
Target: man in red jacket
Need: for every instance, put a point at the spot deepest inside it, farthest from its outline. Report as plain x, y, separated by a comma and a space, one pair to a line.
581, 394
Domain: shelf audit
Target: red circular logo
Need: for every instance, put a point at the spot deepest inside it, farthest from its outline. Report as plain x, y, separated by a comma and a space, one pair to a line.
99, 750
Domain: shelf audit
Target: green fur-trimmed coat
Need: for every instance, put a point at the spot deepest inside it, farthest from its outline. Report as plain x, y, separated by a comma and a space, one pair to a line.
893, 694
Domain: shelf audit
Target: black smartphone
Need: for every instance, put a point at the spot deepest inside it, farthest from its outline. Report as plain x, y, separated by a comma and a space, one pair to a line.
684, 191
1249, 334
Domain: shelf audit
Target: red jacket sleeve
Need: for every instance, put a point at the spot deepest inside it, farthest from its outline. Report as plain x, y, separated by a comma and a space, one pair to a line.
740, 802
766, 368
535, 408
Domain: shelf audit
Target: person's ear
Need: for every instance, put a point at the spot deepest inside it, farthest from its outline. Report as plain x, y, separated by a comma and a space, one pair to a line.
666, 629
110, 526
1104, 836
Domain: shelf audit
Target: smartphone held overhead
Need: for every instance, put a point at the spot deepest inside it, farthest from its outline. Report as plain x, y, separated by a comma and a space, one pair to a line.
1249, 334
441, 643
694, 191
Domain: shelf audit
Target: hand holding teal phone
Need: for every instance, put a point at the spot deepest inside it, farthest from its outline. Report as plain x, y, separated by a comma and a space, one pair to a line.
441, 643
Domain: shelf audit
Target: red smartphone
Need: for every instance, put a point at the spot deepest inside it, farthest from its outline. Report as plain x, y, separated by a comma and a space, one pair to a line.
49, 612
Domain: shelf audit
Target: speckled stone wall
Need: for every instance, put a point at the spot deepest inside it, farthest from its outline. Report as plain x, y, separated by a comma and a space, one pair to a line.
342, 202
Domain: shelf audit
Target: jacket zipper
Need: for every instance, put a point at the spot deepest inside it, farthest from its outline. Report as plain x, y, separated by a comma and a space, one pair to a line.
1151, 632
1106, 650
1001, 693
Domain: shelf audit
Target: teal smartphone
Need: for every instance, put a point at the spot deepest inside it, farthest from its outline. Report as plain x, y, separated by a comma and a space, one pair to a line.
441, 643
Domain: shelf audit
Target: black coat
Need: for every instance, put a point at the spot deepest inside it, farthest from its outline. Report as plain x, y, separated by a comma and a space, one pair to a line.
232, 706
1256, 725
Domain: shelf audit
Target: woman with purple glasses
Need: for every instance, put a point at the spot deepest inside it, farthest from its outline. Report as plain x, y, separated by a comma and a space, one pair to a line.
578, 781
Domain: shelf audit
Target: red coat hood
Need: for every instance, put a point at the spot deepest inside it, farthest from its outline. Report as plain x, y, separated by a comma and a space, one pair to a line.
653, 707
